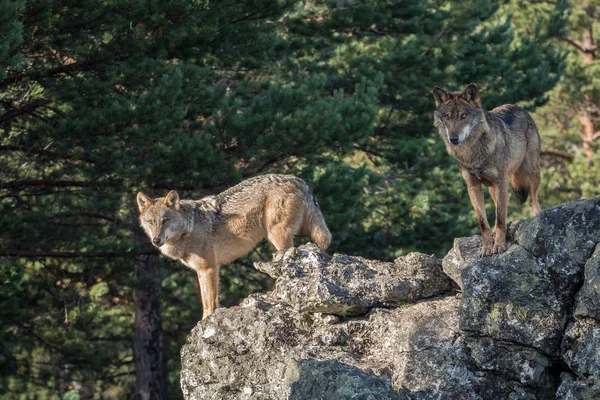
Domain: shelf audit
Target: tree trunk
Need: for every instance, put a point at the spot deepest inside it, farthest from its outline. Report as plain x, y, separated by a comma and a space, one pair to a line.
588, 52
587, 134
148, 342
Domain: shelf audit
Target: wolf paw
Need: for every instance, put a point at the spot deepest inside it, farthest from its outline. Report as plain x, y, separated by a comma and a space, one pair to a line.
499, 248
487, 246
486, 251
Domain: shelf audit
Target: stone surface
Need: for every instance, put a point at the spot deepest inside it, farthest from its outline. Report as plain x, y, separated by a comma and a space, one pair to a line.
525, 294
577, 389
581, 347
512, 297
563, 236
464, 252
588, 300
581, 352
342, 327
266, 350
311, 281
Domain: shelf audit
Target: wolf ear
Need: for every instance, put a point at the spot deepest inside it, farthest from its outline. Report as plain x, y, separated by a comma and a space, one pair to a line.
172, 200
143, 202
440, 96
471, 95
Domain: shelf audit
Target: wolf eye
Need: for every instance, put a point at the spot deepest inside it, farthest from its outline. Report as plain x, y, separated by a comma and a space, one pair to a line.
150, 222
463, 116
447, 116
165, 219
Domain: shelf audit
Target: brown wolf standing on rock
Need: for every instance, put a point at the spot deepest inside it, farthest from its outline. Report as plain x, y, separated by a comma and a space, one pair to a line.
490, 148
205, 234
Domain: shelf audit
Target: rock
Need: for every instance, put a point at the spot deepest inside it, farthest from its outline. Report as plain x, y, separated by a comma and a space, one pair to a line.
464, 252
563, 236
413, 352
577, 389
334, 380
588, 299
581, 348
342, 327
512, 297
525, 294
311, 281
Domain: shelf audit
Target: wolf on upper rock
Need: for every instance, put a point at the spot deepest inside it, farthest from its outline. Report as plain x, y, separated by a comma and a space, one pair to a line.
491, 148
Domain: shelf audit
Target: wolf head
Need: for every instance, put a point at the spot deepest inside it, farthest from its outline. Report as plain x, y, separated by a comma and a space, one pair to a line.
457, 114
161, 218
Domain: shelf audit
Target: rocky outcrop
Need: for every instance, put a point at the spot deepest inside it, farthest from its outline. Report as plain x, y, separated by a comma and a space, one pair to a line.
526, 325
311, 281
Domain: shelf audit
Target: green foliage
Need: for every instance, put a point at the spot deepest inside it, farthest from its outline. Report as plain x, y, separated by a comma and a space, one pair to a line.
11, 35
570, 149
102, 99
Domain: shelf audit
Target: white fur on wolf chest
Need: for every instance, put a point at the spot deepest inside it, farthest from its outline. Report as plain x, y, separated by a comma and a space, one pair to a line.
172, 251
487, 176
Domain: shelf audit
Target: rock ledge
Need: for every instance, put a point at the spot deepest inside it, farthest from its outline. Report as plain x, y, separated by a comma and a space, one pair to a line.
527, 325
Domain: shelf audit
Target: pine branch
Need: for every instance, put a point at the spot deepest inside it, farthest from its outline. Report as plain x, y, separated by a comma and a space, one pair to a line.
46, 153
52, 183
253, 16
557, 153
434, 41
71, 254
28, 108
68, 69
578, 45
89, 214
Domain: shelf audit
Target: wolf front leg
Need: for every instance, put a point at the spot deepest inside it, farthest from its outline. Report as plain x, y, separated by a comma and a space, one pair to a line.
209, 290
476, 196
501, 206
208, 280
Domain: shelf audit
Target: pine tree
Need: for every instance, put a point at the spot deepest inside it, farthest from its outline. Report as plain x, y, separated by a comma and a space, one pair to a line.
100, 100
569, 123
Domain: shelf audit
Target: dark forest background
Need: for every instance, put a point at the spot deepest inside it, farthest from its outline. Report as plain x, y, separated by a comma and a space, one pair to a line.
102, 99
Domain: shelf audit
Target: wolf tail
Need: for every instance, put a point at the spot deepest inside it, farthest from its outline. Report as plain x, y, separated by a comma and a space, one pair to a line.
520, 188
314, 224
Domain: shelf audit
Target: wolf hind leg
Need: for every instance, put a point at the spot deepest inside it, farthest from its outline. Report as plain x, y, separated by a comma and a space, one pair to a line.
525, 183
532, 163
283, 221
534, 185
315, 228
520, 185
281, 237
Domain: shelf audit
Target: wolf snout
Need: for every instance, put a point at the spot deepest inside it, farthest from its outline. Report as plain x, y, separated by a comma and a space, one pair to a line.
454, 139
158, 241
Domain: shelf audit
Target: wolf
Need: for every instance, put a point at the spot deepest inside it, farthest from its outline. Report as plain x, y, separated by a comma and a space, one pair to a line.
205, 234
491, 148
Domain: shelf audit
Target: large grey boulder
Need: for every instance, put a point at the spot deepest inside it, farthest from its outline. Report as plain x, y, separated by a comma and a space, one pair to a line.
525, 295
341, 327
577, 389
266, 350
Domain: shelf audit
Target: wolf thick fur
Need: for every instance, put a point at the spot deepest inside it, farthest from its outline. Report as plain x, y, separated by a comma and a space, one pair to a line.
490, 148
205, 234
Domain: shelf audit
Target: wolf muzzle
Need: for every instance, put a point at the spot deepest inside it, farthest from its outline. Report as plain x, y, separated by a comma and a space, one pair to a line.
454, 139
157, 241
